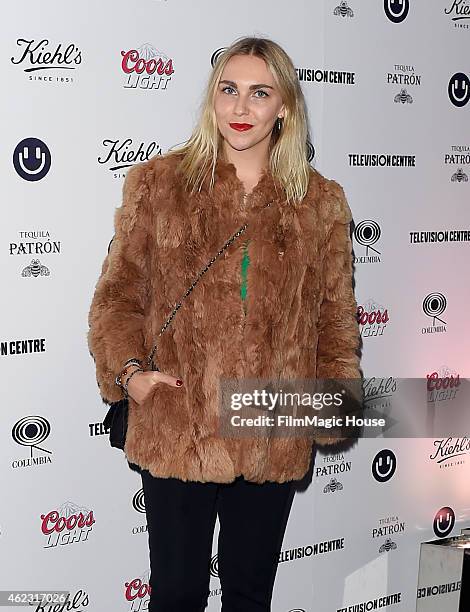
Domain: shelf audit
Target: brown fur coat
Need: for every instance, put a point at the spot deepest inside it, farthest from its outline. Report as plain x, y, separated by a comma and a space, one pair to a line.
300, 323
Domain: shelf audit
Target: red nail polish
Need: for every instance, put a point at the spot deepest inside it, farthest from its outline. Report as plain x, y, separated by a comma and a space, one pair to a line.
179, 382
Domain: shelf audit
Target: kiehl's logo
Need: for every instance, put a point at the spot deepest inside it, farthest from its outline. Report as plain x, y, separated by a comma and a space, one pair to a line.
42, 55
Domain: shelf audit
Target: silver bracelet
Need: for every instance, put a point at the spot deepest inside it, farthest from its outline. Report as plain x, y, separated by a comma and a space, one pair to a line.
124, 369
128, 379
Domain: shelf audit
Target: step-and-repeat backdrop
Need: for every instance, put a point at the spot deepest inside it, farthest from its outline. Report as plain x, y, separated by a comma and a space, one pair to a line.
91, 88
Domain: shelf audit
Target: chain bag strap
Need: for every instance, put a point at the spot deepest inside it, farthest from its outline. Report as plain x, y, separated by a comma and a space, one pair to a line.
188, 291
117, 417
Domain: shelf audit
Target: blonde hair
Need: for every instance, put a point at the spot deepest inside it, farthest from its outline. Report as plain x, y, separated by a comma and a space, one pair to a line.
288, 146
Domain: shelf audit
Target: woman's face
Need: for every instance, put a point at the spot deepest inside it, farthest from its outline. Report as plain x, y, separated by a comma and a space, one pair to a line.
247, 95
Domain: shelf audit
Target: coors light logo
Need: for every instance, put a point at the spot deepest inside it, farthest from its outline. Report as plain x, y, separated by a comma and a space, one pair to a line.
68, 524
146, 68
137, 592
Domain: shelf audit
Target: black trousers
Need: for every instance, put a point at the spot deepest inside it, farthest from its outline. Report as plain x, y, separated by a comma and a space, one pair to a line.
180, 522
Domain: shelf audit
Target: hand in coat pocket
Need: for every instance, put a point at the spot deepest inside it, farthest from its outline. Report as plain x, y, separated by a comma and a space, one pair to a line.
142, 383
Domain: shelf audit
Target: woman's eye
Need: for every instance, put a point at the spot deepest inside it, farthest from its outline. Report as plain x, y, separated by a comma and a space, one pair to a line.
229, 89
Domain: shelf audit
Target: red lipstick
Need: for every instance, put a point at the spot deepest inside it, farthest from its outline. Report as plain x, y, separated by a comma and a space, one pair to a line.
241, 127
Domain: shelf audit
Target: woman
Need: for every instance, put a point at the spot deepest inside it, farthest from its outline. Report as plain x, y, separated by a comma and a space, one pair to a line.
277, 304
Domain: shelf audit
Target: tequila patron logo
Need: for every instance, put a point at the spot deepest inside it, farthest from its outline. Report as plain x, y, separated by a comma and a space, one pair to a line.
403, 78
343, 10
120, 154
146, 68
43, 60
67, 524
37, 242
459, 12
331, 467
459, 158
390, 525
31, 431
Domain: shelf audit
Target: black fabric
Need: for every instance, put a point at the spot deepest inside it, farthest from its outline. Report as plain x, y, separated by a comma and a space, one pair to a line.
180, 520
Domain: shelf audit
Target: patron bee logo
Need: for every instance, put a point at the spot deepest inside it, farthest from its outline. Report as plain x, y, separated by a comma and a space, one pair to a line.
396, 10
459, 177
384, 465
32, 159
444, 522
403, 97
459, 89
35, 269
332, 486
343, 10
387, 546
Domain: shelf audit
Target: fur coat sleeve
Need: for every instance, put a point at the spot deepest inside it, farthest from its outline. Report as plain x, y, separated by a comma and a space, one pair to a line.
118, 306
338, 333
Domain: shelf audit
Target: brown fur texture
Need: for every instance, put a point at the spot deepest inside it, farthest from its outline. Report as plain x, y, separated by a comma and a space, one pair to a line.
300, 323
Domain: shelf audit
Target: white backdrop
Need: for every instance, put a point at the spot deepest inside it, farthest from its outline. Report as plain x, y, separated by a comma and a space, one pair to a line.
349, 540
